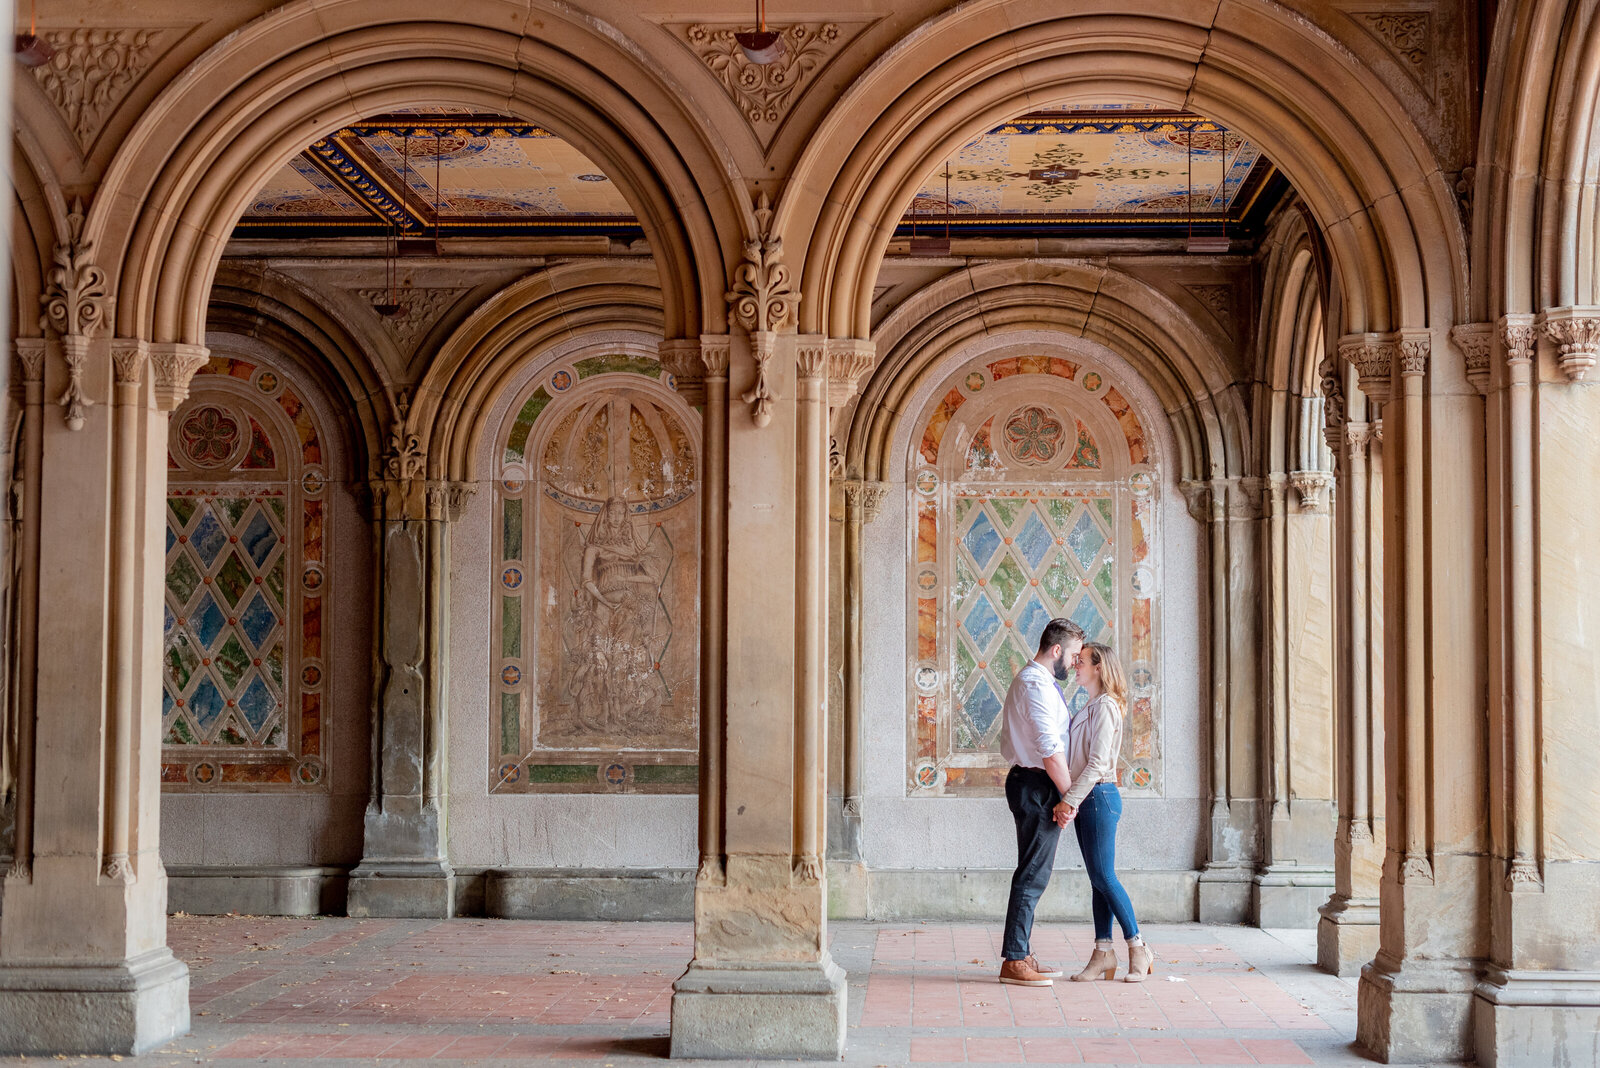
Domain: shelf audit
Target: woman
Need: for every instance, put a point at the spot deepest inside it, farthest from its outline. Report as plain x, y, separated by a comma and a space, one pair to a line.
1093, 803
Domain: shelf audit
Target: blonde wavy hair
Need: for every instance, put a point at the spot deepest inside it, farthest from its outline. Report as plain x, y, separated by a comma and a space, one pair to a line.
1113, 680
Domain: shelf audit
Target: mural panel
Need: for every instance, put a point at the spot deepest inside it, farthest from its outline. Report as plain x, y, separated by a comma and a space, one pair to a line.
243, 679
598, 581
1032, 490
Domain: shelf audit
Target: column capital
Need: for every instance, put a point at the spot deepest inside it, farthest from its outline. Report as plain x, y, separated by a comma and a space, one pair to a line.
173, 366
1575, 331
681, 358
1518, 336
811, 355
30, 356
1312, 488
1475, 340
849, 360
865, 498
714, 351
128, 359
1372, 355
1415, 348
1358, 436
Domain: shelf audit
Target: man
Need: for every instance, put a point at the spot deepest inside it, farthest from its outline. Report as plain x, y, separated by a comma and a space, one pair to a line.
1033, 739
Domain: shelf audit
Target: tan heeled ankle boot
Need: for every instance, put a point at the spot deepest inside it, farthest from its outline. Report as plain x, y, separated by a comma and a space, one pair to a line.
1102, 965
1141, 962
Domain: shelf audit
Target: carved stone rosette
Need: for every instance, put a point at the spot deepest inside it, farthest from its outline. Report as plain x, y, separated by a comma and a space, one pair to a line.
172, 367
1575, 332
762, 301
1373, 357
1475, 341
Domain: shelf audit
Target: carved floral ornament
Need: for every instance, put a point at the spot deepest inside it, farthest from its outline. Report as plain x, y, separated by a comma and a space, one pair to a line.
1475, 340
76, 304
765, 92
762, 302
1575, 332
93, 69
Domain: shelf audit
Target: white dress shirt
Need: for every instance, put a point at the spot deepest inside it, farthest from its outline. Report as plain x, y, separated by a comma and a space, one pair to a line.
1035, 718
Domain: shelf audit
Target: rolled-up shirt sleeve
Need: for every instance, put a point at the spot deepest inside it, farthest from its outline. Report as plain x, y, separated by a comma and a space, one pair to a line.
1102, 737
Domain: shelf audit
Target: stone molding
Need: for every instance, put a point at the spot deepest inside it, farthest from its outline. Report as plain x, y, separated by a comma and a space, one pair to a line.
93, 70
849, 361
1575, 331
173, 366
1407, 35
1226, 498
1475, 340
762, 302
1312, 488
1373, 357
76, 300
764, 92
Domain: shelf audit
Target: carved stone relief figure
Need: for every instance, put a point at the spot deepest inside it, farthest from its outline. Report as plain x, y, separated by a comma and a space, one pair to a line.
598, 579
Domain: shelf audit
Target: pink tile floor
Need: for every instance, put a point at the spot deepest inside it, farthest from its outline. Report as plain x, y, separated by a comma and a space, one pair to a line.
495, 991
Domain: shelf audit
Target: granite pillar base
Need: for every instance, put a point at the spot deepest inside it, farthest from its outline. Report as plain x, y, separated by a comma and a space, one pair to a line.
402, 890
124, 1009
1416, 1014
1524, 1019
766, 1012
1347, 935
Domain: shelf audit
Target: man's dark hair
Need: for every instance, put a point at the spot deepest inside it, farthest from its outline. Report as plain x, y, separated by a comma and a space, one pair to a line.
1060, 632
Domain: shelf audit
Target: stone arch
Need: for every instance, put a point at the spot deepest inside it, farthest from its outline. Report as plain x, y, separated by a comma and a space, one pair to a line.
1392, 226
478, 362
1538, 176
1171, 353
174, 191
1290, 350
277, 310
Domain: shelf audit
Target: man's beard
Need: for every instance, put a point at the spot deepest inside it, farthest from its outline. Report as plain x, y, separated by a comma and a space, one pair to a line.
1060, 668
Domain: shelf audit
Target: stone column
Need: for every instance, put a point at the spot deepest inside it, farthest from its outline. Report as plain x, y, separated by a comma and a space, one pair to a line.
405, 867
1539, 1000
1347, 934
1231, 509
84, 965
1415, 997
762, 983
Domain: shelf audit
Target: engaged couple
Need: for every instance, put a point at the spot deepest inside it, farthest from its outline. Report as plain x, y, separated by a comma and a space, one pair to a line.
1064, 770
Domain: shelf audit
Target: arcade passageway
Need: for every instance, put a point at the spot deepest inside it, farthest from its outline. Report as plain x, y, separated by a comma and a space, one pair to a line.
294, 990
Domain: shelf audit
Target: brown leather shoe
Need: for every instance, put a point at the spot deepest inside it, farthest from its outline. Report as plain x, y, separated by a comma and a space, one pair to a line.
1046, 970
1019, 973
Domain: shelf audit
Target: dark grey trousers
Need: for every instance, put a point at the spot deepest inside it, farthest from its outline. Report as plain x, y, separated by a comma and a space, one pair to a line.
1032, 797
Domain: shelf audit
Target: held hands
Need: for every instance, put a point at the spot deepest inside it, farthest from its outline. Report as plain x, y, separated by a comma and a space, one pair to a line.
1063, 814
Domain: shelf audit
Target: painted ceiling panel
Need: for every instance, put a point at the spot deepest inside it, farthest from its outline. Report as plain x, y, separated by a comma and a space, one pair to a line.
1098, 162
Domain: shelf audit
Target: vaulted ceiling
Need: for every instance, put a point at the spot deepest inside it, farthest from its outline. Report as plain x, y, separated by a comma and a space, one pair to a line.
423, 172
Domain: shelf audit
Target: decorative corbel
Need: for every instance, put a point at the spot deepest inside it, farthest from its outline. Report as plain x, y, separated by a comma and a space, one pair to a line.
762, 301
1373, 358
1575, 332
76, 305
172, 367
1475, 341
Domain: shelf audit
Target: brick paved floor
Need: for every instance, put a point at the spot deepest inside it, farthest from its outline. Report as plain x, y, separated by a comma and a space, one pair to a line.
492, 991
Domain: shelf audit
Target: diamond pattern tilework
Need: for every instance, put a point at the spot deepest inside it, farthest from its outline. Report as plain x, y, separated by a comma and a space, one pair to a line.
981, 540
1034, 540
224, 635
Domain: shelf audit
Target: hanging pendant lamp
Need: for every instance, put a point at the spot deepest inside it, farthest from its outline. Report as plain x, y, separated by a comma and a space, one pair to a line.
762, 46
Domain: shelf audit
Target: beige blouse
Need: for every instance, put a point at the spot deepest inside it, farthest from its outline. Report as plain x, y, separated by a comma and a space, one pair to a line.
1094, 738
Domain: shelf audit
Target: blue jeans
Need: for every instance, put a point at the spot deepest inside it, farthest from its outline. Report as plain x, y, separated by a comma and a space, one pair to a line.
1032, 797
1096, 824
